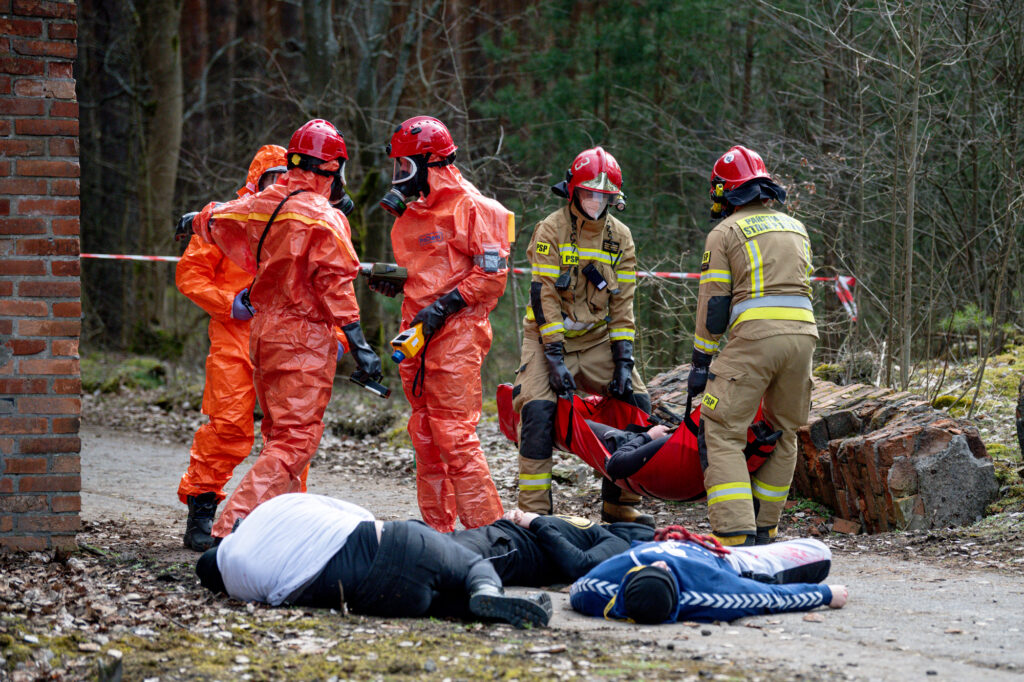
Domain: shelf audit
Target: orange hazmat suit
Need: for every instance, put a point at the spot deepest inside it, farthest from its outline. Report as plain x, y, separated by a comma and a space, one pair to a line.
302, 291
211, 281
442, 240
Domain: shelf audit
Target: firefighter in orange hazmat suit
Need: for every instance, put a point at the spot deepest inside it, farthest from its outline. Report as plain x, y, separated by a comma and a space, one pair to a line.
211, 281
455, 244
299, 248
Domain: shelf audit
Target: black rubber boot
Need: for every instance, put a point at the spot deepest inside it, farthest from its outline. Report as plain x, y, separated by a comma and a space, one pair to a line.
490, 602
202, 509
766, 534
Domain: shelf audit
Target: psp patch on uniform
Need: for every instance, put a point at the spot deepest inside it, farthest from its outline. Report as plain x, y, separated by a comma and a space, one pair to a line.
570, 258
705, 261
543, 248
709, 401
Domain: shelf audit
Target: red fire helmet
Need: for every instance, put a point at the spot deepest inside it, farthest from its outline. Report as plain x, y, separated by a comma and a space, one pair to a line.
737, 166
596, 170
318, 139
421, 135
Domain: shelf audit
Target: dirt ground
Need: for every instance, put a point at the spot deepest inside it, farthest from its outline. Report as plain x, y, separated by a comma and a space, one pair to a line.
926, 605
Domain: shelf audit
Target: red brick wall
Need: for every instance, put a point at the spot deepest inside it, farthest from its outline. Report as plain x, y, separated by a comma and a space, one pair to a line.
40, 304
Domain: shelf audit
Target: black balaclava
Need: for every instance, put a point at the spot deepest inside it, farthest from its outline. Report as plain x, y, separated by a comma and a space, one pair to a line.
650, 596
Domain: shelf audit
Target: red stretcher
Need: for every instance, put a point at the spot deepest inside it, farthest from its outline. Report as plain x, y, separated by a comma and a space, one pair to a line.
673, 473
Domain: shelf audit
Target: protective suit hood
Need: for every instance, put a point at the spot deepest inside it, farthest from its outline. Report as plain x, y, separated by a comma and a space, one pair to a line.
296, 178
268, 156
443, 180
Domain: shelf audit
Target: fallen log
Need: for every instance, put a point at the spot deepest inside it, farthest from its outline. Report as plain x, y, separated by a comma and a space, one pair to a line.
881, 458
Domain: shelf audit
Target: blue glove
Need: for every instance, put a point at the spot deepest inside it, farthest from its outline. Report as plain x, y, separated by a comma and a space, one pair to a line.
341, 351
241, 309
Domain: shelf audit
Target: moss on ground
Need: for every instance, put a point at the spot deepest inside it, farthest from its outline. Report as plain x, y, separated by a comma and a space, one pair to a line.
322, 645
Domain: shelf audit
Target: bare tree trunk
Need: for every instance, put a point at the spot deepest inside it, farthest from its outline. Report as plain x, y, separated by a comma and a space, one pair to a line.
321, 47
911, 198
161, 144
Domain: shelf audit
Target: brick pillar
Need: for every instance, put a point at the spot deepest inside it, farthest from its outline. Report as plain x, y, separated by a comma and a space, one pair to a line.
40, 301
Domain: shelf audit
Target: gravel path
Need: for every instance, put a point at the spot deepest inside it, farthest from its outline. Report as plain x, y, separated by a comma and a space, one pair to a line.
916, 619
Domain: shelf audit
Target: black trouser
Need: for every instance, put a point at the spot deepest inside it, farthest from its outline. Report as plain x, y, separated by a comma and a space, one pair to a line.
418, 571
512, 551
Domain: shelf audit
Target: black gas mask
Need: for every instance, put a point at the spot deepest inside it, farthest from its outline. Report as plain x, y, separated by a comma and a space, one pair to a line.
408, 182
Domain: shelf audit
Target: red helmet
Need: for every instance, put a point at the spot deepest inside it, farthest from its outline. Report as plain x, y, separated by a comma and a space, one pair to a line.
318, 139
737, 166
421, 135
596, 170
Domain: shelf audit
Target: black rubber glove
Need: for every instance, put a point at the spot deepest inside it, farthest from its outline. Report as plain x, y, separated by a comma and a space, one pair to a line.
366, 359
434, 315
622, 378
558, 374
384, 287
183, 230
698, 378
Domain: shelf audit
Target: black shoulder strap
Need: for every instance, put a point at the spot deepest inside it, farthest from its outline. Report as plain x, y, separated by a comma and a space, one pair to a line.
273, 216
688, 420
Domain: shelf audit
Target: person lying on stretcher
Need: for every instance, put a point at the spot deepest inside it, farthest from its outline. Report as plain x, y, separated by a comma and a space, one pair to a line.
633, 448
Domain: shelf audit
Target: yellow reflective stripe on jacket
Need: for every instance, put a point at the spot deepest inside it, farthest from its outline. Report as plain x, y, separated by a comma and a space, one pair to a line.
265, 217
740, 490
705, 345
543, 270
769, 493
534, 481
759, 223
626, 275
590, 254
552, 328
775, 313
620, 334
723, 276
756, 269
810, 268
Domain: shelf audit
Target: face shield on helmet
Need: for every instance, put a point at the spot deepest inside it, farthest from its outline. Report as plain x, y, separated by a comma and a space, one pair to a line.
408, 182
404, 170
592, 203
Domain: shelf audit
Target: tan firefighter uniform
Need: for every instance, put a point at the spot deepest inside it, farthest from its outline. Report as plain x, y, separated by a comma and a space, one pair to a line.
567, 305
755, 283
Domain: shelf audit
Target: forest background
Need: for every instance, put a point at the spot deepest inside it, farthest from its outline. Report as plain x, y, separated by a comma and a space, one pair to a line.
895, 126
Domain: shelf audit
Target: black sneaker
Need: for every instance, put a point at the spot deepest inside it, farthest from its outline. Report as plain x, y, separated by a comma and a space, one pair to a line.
532, 610
202, 509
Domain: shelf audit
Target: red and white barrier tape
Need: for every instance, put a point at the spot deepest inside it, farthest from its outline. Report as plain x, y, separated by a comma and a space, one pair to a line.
121, 256
843, 284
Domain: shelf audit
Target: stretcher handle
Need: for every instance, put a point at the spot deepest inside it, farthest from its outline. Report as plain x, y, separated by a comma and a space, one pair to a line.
690, 424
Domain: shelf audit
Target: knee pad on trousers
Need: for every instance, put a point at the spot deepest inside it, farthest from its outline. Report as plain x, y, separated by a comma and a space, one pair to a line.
537, 432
